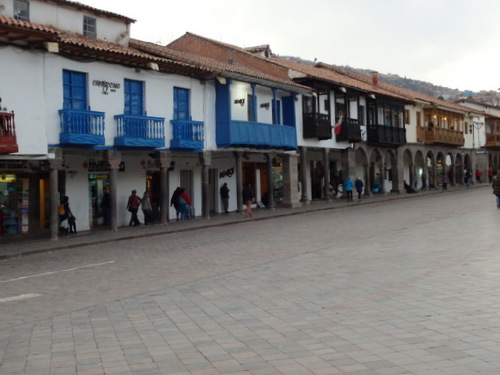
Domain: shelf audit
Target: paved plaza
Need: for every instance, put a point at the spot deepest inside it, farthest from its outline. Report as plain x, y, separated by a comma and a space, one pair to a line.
388, 286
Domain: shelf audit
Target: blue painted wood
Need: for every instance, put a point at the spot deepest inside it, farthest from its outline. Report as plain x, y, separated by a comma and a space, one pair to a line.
187, 135
79, 127
140, 131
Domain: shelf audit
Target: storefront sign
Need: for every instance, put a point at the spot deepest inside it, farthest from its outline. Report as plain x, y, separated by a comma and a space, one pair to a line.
107, 87
98, 165
13, 165
227, 173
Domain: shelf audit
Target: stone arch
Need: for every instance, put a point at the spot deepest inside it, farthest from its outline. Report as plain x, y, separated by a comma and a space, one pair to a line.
408, 168
361, 169
391, 178
459, 169
375, 171
420, 170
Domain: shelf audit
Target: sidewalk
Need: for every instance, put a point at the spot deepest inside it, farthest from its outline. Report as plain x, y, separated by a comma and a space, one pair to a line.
16, 248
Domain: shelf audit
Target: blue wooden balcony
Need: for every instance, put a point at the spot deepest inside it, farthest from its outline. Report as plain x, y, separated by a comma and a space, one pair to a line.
8, 139
187, 135
82, 128
140, 131
256, 135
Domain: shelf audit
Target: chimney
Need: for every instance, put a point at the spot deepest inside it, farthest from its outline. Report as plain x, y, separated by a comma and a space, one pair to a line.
374, 78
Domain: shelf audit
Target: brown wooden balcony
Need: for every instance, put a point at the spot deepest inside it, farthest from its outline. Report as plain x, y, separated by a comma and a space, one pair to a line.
350, 131
317, 125
386, 135
492, 141
440, 136
8, 139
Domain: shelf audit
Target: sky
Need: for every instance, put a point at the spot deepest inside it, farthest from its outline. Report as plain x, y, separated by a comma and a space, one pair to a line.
451, 43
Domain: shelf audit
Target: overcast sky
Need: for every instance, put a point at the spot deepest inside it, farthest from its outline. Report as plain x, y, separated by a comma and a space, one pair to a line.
453, 43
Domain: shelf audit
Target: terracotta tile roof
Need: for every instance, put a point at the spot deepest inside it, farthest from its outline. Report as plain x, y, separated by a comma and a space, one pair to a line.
333, 77
12, 29
221, 68
409, 94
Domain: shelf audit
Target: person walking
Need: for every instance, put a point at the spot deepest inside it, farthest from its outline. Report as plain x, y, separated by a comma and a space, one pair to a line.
478, 176
490, 175
247, 195
496, 187
348, 185
174, 201
106, 206
67, 220
444, 181
224, 196
133, 206
185, 204
147, 209
359, 187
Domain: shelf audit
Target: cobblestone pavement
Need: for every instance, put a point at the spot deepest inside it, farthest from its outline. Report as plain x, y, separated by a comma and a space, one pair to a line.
402, 286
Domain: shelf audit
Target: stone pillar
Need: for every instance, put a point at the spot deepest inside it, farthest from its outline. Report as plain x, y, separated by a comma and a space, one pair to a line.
326, 174
367, 181
348, 157
290, 181
270, 181
412, 175
55, 165
239, 182
303, 177
114, 159
163, 158
206, 161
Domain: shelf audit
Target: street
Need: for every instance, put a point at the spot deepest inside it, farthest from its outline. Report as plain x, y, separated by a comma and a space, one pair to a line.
409, 286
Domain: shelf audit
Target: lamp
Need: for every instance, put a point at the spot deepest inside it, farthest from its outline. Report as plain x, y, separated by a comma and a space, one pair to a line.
343, 89
240, 102
265, 105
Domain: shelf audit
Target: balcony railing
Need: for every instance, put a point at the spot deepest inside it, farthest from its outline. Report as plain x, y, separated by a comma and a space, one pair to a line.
386, 135
84, 128
140, 131
440, 136
256, 135
8, 139
187, 135
492, 141
350, 131
317, 125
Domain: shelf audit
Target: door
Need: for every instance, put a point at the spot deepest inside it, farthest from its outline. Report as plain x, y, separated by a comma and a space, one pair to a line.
134, 98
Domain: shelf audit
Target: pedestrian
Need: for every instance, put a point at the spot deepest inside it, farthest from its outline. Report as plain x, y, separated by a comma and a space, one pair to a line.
147, 209
348, 185
444, 181
247, 195
224, 196
468, 178
496, 187
359, 187
67, 221
478, 176
133, 206
424, 182
106, 205
185, 204
490, 175
408, 188
174, 201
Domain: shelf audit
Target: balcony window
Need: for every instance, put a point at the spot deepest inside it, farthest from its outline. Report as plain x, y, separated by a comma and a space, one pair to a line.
90, 27
181, 104
22, 10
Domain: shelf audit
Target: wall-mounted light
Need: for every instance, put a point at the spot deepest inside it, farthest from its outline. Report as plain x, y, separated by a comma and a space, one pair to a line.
343, 89
372, 96
240, 102
265, 105
72, 173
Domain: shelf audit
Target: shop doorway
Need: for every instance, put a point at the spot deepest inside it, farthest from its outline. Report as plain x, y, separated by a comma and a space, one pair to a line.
153, 185
96, 184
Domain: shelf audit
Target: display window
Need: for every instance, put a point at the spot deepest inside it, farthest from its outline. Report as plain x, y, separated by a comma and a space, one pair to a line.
14, 205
